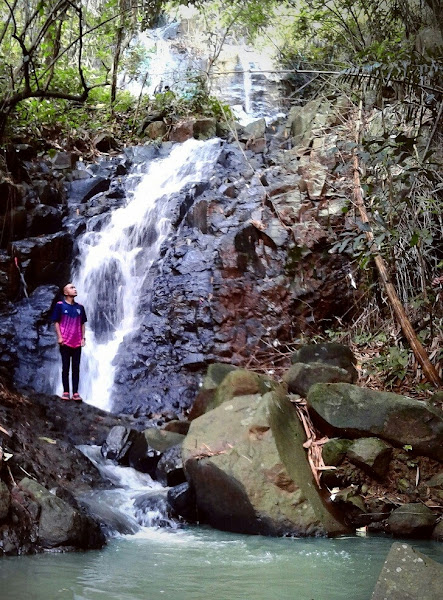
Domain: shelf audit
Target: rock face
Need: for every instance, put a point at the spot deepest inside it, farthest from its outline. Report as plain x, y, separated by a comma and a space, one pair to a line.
239, 479
350, 411
245, 261
408, 575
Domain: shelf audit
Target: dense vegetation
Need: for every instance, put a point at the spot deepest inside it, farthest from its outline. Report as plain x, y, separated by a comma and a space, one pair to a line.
60, 62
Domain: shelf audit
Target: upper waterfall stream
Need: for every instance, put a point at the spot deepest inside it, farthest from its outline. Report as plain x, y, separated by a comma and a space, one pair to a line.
114, 261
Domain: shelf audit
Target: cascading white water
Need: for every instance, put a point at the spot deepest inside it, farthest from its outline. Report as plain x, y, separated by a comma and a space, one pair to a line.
136, 500
113, 262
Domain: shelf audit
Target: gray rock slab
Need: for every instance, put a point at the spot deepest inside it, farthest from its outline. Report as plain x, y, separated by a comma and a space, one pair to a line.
354, 411
409, 575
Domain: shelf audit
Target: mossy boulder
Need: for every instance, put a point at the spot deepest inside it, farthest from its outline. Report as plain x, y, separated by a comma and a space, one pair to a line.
351, 411
59, 523
240, 480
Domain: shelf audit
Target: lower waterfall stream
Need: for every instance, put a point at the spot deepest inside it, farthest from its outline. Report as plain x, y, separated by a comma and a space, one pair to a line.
193, 563
157, 558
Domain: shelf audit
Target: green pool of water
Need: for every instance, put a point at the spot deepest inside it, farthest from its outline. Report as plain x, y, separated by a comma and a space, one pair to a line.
203, 564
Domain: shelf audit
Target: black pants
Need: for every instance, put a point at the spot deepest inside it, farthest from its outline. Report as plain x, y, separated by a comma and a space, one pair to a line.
69, 354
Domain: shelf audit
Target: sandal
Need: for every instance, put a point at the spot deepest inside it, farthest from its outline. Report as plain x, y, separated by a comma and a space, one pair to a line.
76, 397
65, 396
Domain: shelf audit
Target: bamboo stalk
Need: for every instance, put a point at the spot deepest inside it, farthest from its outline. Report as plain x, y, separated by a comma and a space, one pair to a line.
399, 311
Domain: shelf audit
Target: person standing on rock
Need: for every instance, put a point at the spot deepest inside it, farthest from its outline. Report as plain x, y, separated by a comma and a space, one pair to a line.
69, 319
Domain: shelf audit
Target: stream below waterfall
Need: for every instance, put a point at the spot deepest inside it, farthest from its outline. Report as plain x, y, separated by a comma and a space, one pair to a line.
191, 563
198, 563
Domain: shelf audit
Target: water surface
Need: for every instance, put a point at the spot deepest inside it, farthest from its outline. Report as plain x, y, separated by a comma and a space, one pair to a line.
203, 564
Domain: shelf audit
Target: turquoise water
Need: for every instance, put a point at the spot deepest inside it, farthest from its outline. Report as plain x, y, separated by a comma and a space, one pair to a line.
203, 564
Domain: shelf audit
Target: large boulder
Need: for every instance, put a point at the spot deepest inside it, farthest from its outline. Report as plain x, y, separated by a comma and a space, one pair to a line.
59, 523
181, 499
117, 444
353, 411
241, 484
408, 575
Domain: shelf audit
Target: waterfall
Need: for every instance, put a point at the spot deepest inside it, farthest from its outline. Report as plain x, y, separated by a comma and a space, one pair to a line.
113, 263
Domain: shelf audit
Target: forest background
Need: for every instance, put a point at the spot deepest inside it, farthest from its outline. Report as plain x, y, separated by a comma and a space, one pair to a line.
60, 66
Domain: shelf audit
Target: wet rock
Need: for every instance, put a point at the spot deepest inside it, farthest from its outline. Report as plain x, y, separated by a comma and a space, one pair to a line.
372, 455
411, 520
82, 190
169, 471
151, 510
333, 354
44, 260
118, 443
142, 456
111, 521
35, 340
301, 376
407, 574
60, 524
44, 219
182, 501
355, 411
141, 154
